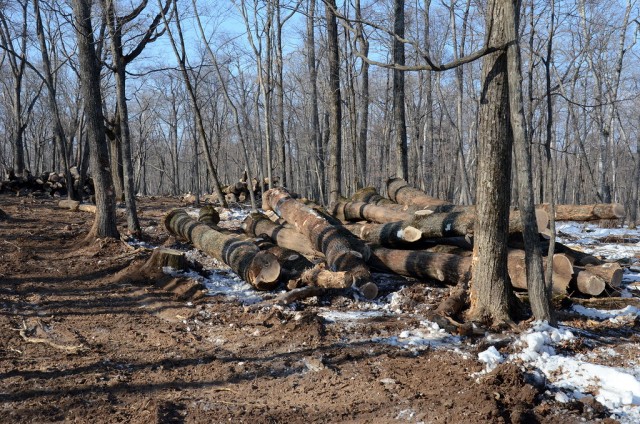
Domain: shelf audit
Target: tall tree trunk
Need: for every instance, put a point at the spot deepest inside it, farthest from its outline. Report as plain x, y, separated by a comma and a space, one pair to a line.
490, 291
335, 107
399, 115
539, 294
363, 45
105, 221
316, 138
60, 137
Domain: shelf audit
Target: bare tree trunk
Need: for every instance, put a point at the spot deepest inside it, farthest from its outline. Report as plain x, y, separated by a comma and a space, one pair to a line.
490, 292
335, 105
539, 294
399, 115
105, 221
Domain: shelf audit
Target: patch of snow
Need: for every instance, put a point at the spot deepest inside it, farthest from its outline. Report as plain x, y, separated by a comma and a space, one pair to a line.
605, 314
349, 316
491, 357
616, 388
428, 335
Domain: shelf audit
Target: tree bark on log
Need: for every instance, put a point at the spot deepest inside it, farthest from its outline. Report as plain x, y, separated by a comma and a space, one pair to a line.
446, 268
256, 224
610, 272
587, 283
209, 215
587, 212
292, 263
387, 235
401, 192
445, 222
260, 269
562, 271
341, 250
370, 195
69, 204
322, 277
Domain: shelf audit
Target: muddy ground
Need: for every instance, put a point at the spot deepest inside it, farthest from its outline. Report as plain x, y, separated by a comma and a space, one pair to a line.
81, 343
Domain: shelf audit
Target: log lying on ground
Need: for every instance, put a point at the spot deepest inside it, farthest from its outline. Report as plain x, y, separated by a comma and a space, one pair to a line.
260, 269
446, 268
322, 277
69, 204
458, 220
562, 270
340, 250
256, 224
386, 235
209, 215
401, 192
610, 272
370, 195
588, 283
586, 212
292, 263
453, 269
359, 211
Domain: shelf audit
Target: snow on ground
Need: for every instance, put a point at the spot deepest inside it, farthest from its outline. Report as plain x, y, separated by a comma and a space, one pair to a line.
589, 238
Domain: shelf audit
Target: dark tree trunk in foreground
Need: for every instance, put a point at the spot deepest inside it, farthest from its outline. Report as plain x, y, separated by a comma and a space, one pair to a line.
105, 220
335, 108
490, 292
399, 115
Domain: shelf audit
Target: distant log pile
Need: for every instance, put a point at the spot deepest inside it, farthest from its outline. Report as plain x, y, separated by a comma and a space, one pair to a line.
52, 184
238, 192
421, 237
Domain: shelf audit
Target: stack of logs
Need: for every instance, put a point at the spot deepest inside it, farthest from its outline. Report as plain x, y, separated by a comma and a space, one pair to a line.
236, 192
409, 233
47, 183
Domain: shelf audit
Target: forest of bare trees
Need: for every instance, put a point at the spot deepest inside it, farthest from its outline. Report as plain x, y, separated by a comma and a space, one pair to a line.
260, 76
327, 97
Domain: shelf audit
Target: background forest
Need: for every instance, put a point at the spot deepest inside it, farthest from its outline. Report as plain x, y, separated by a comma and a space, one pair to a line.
252, 79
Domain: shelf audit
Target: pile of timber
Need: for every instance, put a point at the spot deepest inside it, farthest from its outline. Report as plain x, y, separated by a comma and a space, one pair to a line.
410, 234
52, 184
238, 192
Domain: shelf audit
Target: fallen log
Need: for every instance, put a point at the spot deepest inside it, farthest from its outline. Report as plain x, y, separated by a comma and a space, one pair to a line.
401, 192
209, 215
260, 269
587, 283
387, 235
339, 247
608, 303
69, 204
322, 277
256, 224
610, 272
562, 270
454, 221
446, 268
586, 212
292, 263
370, 195
87, 208
359, 211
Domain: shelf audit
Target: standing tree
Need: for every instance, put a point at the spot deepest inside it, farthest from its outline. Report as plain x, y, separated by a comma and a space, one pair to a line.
399, 115
335, 104
120, 60
490, 291
89, 69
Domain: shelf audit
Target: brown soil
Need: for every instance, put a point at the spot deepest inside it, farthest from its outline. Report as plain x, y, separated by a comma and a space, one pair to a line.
80, 342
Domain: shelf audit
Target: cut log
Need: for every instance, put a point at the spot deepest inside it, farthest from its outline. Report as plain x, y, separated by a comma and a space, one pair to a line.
401, 192
87, 208
608, 303
586, 212
562, 271
370, 195
338, 245
292, 263
256, 224
209, 215
69, 204
359, 211
446, 268
260, 269
386, 235
433, 222
610, 272
322, 277
588, 283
